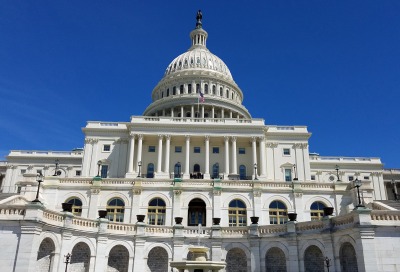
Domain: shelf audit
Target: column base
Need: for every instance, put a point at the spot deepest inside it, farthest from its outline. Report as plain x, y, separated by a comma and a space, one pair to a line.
131, 175
161, 175
206, 176
186, 176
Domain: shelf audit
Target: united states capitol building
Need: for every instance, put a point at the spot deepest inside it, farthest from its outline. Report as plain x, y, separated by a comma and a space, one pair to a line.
197, 170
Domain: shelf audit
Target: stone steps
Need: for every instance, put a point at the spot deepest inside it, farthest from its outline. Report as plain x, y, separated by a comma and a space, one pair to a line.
392, 203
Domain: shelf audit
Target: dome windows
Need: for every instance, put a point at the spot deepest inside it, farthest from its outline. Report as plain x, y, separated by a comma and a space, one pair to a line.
206, 88
181, 89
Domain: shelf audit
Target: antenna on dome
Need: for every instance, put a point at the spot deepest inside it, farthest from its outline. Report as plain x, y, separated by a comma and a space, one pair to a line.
199, 16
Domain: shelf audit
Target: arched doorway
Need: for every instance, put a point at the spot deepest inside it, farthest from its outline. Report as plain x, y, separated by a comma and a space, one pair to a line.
177, 170
118, 259
150, 170
242, 172
275, 260
80, 257
216, 170
45, 255
236, 260
157, 260
313, 259
197, 212
348, 258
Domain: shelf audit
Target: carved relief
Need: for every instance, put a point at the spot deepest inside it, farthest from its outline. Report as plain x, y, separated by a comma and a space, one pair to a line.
137, 191
177, 192
95, 191
298, 194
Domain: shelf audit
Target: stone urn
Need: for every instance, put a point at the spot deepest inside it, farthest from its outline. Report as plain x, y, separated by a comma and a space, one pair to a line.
254, 219
102, 213
66, 207
140, 218
328, 211
292, 216
178, 220
216, 220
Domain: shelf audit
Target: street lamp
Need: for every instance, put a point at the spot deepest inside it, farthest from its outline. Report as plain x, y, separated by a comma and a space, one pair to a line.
67, 259
337, 172
357, 184
295, 172
327, 263
39, 179
98, 168
57, 162
255, 171
140, 166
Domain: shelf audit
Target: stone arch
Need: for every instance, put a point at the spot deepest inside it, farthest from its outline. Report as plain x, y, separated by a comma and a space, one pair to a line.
313, 259
45, 255
157, 259
279, 198
80, 258
118, 259
275, 260
197, 195
81, 196
317, 198
307, 243
236, 260
148, 198
245, 200
54, 238
348, 258
125, 244
87, 241
108, 197
279, 245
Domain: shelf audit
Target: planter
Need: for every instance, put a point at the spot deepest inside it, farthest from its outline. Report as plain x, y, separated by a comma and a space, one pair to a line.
328, 211
216, 220
66, 207
254, 219
178, 220
140, 217
102, 213
292, 216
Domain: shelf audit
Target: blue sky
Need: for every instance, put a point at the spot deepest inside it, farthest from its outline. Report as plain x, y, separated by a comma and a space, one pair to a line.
331, 65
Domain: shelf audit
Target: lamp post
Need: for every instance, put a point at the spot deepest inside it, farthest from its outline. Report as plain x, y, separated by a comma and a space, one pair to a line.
67, 260
295, 172
39, 179
57, 162
327, 263
255, 171
98, 168
337, 172
140, 166
357, 184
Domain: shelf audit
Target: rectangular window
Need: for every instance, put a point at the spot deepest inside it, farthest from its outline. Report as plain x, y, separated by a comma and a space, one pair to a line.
104, 171
78, 172
178, 149
286, 151
152, 148
351, 178
106, 148
288, 174
215, 150
312, 177
366, 177
242, 150
196, 149
23, 171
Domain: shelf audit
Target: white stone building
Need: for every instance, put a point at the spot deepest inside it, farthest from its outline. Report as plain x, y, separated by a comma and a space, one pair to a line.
197, 155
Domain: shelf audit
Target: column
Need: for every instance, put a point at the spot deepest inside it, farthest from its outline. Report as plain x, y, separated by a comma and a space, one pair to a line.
299, 161
254, 149
131, 152
172, 112
263, 161
202, 111
192, 112
139, 151
234, 156
230, 114
187, 158
222, 113
159, 158
207, 161
167, 152
182, 113
212, 112
87, 157
226, 156
270, 160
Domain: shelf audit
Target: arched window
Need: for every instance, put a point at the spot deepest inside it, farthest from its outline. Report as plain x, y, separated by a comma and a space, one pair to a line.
237, 213
177, 170
181, 89
197, 212
156, 212
348, 258
277, 212
197, 88
227, 93
162, 94
236, 260
188, 114
242, 172
313, 259
317, 210
45, 255
206, 115
216, 170
118, 259
157, 260
174, 91
115, 210
196, 168
189, 88
221, 91
275, 260
206, 88
80, 257
213, 89
76, 206
197, 114
150, 170
167, 92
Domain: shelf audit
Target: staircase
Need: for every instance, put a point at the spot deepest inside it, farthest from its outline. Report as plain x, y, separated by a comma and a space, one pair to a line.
5, 195
392, 203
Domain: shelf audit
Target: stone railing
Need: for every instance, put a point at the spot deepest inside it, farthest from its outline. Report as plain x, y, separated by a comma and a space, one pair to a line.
344, 220
317, 186
120, 228
12, 212
52, 217
163, 231
85, 223
385, 218
75, 180
272, 229
307, 226
234, 231
195, 232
